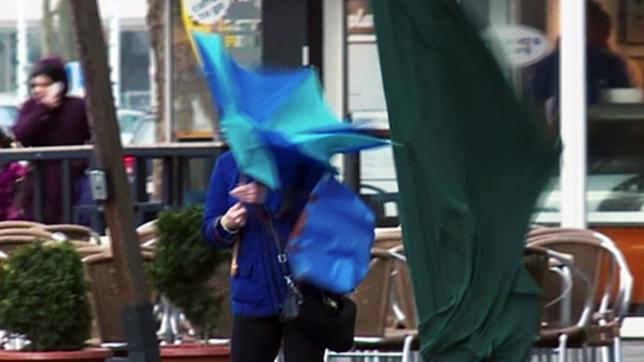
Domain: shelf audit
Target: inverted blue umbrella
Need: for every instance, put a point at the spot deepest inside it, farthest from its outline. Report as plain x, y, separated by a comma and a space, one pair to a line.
265, 109
274, 121
332, 241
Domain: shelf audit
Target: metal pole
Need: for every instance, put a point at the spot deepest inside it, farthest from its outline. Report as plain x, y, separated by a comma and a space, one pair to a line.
167, 84
22, 50
115, 52
334, 55
335, 78
573, 112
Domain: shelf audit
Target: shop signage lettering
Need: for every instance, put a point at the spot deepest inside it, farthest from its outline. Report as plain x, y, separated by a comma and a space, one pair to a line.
521, 45
207, 11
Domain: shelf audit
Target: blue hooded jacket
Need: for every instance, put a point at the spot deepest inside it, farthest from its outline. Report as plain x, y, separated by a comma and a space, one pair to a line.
258, 289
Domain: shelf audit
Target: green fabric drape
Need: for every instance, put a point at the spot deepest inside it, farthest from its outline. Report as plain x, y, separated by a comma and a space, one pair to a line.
470, 162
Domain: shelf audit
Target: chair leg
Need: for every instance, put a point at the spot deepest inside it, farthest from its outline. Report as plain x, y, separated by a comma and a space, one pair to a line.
563, 357
586, 353
617, 349
538, 353
593, 354
605, 354
406, 352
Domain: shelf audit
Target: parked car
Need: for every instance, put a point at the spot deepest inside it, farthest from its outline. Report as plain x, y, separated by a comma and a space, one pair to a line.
144, 132
128, 121
136, 128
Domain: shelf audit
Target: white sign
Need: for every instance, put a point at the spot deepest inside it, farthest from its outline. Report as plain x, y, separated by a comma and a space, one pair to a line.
207, 11
521, 45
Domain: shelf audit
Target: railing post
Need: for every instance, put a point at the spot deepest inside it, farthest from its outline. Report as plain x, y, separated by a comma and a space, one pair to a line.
38, 191
67, 187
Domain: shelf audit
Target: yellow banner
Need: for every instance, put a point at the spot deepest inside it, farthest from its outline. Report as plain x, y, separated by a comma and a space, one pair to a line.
210, 11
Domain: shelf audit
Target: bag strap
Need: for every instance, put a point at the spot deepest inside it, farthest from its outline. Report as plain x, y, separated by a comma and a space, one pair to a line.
282, 257
234, 267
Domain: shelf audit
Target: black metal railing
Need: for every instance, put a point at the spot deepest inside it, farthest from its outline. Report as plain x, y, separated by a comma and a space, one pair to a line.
185, 172
182, 165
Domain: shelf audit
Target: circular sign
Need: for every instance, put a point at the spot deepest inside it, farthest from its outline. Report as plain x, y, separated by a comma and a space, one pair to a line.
207, 11
521, 45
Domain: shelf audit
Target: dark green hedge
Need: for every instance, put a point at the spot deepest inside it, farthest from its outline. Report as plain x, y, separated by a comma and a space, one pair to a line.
183, 264
43, 296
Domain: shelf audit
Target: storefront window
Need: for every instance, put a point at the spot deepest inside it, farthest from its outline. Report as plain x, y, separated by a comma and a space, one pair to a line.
615, 111
194, 114
614, 96
7, 61
366, 104
52, 34
523, 35
520, 33
135, 70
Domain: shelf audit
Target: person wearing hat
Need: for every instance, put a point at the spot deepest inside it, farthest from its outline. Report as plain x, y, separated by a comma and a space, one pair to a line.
51, 118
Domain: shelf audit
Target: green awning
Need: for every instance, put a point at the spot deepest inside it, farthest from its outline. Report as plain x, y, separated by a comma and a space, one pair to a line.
471, 162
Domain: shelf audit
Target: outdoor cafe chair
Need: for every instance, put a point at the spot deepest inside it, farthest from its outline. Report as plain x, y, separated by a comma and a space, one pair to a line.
35, 233
107, 296
558, 277
13, 238
146, 231
74, 232
605, 267
403, 304
18, 224
378, 331
82, 248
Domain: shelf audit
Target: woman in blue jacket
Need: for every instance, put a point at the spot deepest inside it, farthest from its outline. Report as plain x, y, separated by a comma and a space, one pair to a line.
239, 210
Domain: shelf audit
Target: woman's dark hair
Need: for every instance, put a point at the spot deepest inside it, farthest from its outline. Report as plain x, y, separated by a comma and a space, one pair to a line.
598, 23
597, 14
54, 68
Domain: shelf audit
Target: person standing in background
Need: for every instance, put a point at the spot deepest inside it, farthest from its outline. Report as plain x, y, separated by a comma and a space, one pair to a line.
605, 69
10, 174
51, 118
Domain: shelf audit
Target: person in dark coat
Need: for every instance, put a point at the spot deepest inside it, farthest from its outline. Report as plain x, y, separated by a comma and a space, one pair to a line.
605, 69
51, 118
10, 173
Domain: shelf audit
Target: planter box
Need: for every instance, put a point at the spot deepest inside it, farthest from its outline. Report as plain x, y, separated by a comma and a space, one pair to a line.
85, 355
195, 353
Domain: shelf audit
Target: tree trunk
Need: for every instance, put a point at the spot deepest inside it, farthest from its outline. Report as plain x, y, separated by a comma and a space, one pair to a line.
190, 94
156, 24
68, 50
47, 27
192, 98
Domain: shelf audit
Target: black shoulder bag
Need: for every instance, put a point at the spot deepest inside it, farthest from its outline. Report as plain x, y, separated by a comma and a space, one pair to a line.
327, 317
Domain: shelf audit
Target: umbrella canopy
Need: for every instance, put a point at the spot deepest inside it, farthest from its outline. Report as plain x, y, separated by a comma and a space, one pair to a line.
331, 244
470, 167
266, 109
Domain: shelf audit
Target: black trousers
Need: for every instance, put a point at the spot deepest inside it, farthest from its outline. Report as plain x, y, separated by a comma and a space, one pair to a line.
259, 340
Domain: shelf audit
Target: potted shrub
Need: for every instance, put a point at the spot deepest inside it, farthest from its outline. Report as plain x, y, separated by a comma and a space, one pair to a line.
43, 296
181, 270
